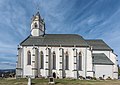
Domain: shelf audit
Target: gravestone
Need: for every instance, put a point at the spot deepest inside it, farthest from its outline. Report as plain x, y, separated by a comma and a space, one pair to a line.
2, 75
51, 80
29, 81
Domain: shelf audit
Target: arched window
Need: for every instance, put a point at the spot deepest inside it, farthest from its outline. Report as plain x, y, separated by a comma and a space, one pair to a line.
28, 58
80, 61
54, 60
35, 25
66, 61
41, 60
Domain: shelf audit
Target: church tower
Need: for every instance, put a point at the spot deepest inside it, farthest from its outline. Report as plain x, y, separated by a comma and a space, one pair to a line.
37, 25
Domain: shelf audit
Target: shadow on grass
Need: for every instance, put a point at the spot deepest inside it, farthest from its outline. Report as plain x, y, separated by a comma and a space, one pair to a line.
32, 83
57, 82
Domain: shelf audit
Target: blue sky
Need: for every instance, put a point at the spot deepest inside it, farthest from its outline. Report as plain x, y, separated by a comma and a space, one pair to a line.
93, 19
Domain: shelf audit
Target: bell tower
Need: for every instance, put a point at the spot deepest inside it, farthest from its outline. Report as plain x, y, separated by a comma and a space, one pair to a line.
37, 25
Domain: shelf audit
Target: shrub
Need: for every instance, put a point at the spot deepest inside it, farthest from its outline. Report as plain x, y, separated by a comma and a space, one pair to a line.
81, 78
101, 78
88, 77
108, 78
94, 78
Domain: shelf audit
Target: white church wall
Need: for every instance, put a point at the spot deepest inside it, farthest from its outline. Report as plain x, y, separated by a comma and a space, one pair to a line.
19, 59
86, 62
19, 66
22, 58
83, 53
107, 53
105, 70
27, 69
83, 71
89, 63
42, 71
69, 73
113, 58
70, 53
35, 32
115, 75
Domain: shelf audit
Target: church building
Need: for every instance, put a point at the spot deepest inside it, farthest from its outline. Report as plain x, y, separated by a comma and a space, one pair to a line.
63, 55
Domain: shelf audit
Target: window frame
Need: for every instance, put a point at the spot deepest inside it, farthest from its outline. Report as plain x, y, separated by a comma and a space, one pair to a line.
28, 57
80, 61
54, 60
66, 61
41, 60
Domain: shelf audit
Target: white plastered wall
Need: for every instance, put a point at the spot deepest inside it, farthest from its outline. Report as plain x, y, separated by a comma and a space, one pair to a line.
89, 63
27, 69
113, 58
105, 70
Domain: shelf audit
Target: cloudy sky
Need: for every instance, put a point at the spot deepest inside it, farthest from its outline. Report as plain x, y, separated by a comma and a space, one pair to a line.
93, 19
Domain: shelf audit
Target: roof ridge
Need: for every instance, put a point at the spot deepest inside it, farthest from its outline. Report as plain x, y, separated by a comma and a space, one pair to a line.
62, 34
98, 53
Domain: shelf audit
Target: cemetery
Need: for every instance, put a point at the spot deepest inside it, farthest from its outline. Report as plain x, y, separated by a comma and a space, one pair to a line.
42, 81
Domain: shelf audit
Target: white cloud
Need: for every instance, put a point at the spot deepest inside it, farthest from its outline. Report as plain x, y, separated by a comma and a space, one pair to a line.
7, 65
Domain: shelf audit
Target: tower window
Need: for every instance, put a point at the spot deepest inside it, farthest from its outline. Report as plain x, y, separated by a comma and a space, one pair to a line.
28, 58
35, 25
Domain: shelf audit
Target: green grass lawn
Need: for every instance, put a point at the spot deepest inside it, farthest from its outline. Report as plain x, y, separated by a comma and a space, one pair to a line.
59, 82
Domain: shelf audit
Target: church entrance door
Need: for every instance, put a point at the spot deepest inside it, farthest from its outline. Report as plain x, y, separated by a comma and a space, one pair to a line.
54, 74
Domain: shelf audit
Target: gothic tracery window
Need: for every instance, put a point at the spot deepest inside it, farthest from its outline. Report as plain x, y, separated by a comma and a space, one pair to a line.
41, 60
66, 61
54, 60
80, 61
28, 58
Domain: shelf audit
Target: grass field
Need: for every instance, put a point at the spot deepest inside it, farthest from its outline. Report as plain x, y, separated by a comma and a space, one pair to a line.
59, 82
